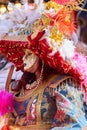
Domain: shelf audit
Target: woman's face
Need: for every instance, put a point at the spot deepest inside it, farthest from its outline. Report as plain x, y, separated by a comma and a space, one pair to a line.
31, 62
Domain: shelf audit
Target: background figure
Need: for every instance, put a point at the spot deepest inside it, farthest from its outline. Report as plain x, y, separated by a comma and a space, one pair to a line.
82, 46
82, 21
82, 30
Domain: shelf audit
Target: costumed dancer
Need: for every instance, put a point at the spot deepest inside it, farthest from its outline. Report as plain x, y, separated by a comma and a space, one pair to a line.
52, 96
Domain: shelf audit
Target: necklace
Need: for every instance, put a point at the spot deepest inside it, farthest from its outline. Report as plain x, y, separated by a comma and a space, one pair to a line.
36, 83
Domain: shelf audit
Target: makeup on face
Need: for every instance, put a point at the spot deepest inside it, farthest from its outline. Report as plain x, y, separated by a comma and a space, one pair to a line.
29, 60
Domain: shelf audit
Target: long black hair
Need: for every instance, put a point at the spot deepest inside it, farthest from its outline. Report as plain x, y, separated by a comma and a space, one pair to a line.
46, 0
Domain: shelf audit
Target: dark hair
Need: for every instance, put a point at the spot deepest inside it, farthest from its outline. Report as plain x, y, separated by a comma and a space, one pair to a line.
30, 1
84, 35
46, 0
12, 1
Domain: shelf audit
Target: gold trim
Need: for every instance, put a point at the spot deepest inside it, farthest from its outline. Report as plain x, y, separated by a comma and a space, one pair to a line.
9, 78
38, 106
29, 105
54, 85
36, 91
31, 127
28, 42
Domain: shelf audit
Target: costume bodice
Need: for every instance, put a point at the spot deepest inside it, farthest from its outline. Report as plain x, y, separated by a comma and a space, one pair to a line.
56, 103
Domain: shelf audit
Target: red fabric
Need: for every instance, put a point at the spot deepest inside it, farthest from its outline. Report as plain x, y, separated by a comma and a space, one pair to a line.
43, 50
14, 51
6, 127
62, 2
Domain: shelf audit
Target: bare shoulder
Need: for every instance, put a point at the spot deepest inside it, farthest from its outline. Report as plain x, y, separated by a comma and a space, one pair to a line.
84, 128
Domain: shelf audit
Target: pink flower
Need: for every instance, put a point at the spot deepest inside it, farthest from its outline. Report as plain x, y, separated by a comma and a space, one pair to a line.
81, 66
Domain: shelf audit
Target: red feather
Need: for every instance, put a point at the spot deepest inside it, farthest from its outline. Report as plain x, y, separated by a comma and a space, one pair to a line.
62, 2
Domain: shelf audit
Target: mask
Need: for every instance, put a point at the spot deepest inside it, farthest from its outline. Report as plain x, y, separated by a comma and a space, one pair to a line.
29, 59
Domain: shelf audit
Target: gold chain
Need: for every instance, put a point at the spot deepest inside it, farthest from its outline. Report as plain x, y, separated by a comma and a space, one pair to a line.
80, 2
36, 83
41, 76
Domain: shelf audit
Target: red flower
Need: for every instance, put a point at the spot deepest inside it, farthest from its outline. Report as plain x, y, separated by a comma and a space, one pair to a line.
60, 115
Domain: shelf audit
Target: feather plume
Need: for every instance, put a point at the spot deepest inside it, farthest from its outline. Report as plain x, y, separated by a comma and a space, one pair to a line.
67, 49
6, 102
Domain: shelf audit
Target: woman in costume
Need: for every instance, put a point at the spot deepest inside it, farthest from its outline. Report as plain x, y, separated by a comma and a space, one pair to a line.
47, 99
49, 96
